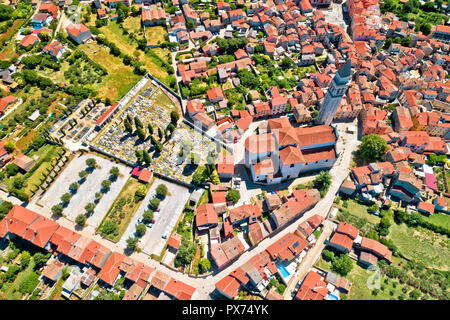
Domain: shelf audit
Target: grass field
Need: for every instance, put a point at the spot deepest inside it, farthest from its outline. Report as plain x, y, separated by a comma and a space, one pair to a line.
360, 211
360, 291
114, 34
133, 24
422, 245
12, 292
120, 78
155, 34
123, 216
440, 219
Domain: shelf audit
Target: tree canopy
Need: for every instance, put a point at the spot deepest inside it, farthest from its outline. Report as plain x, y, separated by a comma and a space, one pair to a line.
373, 147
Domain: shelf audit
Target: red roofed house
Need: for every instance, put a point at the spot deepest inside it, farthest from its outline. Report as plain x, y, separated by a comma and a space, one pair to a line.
17, 221
50, 8
225, 166
78, 33
206, 216
6, 101
29, 41
287, 248
376, 248
179, 290
341, 242
229, 287
313, 288
111, 269
402, 119
426, 208
348, 230
215, 95
174, 242
145, 175
40, 231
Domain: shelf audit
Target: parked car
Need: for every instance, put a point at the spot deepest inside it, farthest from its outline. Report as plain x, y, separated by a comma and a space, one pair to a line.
164, 236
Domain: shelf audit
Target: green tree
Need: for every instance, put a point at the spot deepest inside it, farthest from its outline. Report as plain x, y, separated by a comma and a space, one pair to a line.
65, 198
25, 259
204, 264
161, 190
110, 228
373, 147
160, 133
18, 182
82, 174
132, 243
57, 209
141, 191
106, 184
11, 169
141, 229
174, 117
233, 195
89, 207
139, 155
322, 182
146, 157
342, 265
9, 146
80, 220
148, 215
140, 133
186, 252
91, 162
114, 172
128, 127
39, 260
73, 186
138, 123
328, 255
155, 202
150, 129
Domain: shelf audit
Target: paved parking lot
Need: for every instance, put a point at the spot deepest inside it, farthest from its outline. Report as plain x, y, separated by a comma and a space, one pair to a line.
86, 191
170, 209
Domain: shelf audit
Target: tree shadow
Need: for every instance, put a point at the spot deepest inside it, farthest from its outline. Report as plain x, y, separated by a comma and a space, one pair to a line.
189, 169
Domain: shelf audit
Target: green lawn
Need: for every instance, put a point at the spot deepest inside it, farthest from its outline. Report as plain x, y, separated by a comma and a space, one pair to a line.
440, 219
422, 245
357, 215
120, 78
360, 210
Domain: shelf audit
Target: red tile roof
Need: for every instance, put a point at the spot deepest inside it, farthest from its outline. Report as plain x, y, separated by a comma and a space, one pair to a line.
342, 240
229, 285
288, 247
376, 247
17, 220
179, 290
145, 175
40, 231
111, 270
348, 229
206, 214
312, 288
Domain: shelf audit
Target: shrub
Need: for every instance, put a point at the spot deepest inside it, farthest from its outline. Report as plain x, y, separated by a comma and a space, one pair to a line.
80, 220
233, 195
161, 190
155, 202
141, 229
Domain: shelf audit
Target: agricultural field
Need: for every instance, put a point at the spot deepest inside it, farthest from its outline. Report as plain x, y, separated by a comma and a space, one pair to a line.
389, 289
155, 34
422, 245
120, 78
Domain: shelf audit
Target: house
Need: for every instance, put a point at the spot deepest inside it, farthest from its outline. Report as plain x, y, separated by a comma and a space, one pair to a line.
23, 162
111, 270
341, 242
244, 214
313, 287
179, 290
215, 95
50, 8
78, 33
54, 49
402, 119
29, 41
348, 230
376, 248
287, 248
40, 20
228, 286
426, 208
6, 102
145, 176
367, 259
174, 242
225, 166
53, 271
206, 216
153, 16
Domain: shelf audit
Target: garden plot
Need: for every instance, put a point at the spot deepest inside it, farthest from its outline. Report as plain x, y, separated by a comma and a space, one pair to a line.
86, 191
